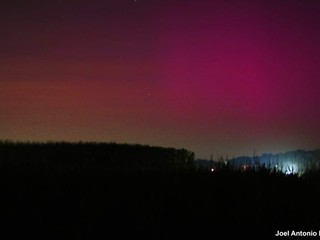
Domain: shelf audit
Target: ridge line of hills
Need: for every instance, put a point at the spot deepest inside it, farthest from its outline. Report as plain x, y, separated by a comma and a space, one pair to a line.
290, 162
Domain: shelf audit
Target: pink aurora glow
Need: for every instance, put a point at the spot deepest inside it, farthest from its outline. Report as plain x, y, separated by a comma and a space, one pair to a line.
222, 77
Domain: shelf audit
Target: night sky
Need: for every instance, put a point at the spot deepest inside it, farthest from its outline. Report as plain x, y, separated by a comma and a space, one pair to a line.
215, 77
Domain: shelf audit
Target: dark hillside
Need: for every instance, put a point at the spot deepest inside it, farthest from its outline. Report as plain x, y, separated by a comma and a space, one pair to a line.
66, 191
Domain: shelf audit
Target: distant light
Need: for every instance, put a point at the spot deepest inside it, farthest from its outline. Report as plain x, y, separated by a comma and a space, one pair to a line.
290, 168
212, 169
288, 172
276, 166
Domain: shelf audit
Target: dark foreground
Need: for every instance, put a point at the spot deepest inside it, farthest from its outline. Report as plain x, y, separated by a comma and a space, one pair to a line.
68, 203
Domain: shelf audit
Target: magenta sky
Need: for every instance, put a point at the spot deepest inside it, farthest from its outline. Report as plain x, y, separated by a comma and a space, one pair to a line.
220, 77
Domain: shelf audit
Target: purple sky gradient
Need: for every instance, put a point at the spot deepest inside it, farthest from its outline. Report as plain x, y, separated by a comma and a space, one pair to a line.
216, 77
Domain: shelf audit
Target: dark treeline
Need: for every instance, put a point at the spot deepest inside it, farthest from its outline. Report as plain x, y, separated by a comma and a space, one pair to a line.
69, 191
108, 157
